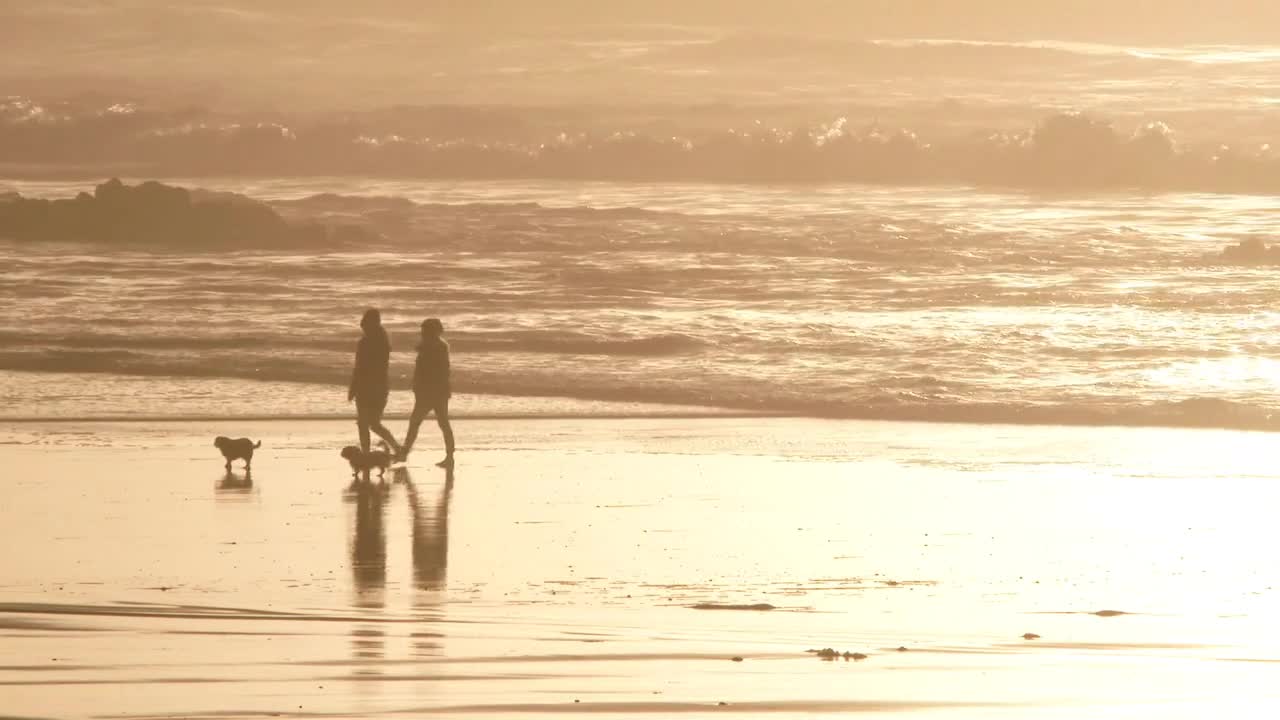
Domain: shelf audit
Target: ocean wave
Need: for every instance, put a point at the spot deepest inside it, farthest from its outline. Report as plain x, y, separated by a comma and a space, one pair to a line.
1208, 413
570, 343
85, 350
1064, 151
905, 57
921, 405
407, 248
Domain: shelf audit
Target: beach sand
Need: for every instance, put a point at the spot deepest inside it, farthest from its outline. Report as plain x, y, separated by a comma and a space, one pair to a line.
618, 567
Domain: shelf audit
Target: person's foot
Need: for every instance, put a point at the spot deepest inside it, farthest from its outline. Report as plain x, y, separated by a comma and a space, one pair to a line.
447, 462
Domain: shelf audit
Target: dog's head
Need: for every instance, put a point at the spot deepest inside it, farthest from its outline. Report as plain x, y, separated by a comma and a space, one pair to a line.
352, 453
221, 441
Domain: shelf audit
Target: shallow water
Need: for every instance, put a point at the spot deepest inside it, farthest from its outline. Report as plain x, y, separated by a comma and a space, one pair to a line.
565, 560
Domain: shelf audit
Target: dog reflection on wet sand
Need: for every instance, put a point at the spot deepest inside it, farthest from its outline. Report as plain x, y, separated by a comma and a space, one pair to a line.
232, 482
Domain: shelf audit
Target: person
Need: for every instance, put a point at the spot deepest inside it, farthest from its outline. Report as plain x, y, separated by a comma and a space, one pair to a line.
369, 385
431, 388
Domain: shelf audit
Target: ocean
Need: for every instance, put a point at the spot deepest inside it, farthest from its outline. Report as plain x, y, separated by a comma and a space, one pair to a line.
704, 220
833, 300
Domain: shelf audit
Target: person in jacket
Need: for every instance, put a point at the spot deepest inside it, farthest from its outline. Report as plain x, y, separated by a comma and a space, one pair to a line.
369, 383
431, 389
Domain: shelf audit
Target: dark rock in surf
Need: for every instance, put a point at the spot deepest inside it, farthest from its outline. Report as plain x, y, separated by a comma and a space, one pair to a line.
761, 607
832, 654
1251, 251
152, 214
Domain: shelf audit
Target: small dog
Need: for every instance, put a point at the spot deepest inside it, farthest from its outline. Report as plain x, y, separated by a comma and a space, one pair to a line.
366, 461
237, 449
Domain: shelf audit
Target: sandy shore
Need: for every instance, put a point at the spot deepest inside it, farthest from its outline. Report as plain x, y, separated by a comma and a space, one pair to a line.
615, 567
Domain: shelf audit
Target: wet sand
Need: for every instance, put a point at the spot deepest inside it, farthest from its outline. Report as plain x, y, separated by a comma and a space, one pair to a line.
648, 566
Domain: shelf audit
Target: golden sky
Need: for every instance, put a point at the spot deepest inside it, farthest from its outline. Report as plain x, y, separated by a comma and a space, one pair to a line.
1149, 21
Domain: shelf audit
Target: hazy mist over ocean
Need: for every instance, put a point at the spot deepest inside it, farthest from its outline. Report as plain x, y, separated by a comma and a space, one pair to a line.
835, 92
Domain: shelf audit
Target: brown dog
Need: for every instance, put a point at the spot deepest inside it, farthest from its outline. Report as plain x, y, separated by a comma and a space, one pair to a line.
237, 449
366, 461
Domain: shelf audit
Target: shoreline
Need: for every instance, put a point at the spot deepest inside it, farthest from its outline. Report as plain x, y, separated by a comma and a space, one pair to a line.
711, 414
675, 415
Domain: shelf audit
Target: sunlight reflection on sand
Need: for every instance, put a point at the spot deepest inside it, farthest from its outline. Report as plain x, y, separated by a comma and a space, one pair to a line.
558, 571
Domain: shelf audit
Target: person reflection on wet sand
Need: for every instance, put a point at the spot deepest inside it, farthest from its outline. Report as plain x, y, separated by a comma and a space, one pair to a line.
369, 546
430, 551
369, 571
430, 532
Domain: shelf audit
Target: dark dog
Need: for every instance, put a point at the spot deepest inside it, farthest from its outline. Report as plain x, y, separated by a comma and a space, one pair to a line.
237, 449
366, 461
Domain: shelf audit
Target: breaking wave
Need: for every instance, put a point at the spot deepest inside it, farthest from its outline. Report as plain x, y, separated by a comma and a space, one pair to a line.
88, 347
327, 376
1065, 151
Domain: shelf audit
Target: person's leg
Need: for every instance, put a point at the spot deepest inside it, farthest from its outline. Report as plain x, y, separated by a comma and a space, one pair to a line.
375, 424
387, 437
420, 410
446, 430
362, 427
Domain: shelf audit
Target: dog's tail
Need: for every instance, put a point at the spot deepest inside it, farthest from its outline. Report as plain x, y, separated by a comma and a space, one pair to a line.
258, 445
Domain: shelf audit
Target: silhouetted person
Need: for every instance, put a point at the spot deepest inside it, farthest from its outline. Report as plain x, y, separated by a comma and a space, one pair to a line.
369, 385
431, 388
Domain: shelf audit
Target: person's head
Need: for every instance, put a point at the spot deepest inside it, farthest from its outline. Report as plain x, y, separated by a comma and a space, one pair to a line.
372, 320
432, 327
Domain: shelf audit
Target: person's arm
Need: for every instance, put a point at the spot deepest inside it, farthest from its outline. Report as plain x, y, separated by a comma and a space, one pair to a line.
355, 373
442, 370
419, 371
